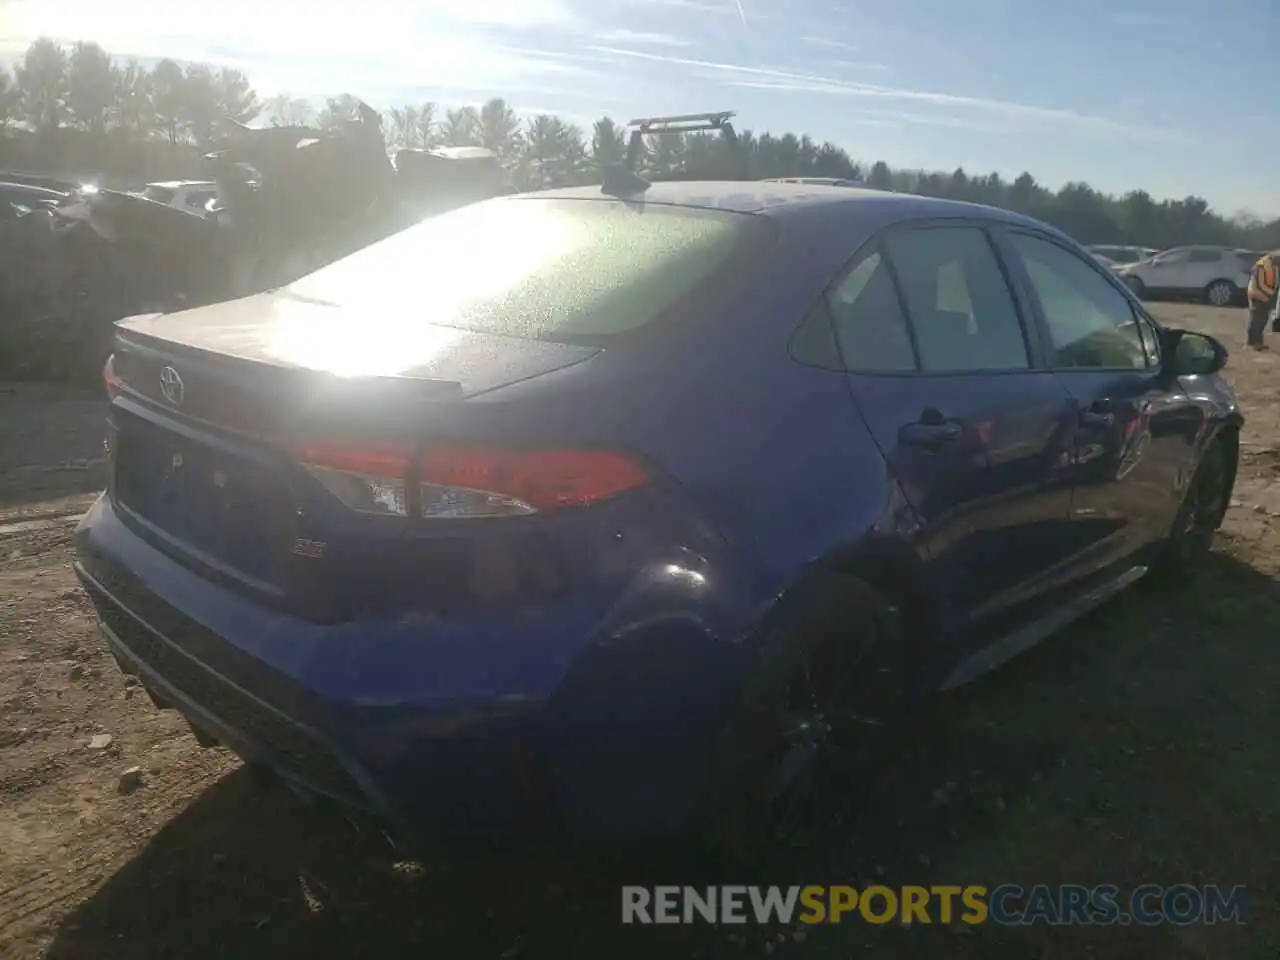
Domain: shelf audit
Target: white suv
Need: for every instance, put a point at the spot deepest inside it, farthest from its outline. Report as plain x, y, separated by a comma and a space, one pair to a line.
1213, 275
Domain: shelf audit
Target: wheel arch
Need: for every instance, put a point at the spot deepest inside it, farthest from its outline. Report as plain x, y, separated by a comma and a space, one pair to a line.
891, 569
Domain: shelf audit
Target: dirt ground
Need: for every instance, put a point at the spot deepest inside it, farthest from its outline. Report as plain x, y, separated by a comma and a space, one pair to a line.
1139, 746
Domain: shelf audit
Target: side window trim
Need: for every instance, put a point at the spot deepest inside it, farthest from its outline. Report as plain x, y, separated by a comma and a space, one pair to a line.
1148, 327
896, 281
1106, 275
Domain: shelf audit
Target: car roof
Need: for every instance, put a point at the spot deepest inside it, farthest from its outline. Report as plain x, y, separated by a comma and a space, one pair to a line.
180, 184
829, 181
31, 189
464, 153
776, 199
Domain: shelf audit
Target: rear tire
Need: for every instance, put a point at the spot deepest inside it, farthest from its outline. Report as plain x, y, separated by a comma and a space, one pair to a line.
1220, 293
1136, 287
816, 723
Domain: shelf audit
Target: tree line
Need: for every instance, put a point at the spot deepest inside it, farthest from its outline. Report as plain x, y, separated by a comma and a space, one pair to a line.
82, 88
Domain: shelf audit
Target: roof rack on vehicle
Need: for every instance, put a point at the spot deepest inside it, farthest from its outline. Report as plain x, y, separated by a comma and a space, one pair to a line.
621, 179
684, 123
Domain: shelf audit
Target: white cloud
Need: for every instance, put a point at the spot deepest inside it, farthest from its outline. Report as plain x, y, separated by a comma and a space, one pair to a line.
387, 50
640, 38
377, 28
831, 44
863, 65
698, 6
795, 82
293, 45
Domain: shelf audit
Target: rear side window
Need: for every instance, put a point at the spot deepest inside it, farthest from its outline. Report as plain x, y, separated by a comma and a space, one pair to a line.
541, 269
957, 299
159, 194
870, 328
1205, 256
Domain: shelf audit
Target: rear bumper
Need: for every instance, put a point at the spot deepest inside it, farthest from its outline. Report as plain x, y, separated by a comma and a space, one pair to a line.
614, 738
498, 783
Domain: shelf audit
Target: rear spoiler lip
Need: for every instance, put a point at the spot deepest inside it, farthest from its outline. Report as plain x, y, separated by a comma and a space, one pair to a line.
333, 387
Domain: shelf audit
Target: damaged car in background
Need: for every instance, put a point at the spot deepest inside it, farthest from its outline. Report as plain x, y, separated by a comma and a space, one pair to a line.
276, 203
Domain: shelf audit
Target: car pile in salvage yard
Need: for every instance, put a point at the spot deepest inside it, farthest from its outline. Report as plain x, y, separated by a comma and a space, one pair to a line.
289, 199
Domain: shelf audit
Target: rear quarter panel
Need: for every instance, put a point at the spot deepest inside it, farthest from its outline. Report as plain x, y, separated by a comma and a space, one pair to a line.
771, 454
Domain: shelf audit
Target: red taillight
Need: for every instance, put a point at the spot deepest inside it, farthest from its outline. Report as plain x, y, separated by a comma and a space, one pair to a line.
110, 382
460, 481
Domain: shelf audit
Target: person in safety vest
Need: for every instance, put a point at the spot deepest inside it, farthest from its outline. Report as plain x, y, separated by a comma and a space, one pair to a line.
1263, 282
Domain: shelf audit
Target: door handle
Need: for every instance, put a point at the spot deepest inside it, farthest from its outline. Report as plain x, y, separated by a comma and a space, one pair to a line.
928, 435
1092, 418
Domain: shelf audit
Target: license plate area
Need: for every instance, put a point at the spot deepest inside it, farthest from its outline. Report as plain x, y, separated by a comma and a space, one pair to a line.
224, 506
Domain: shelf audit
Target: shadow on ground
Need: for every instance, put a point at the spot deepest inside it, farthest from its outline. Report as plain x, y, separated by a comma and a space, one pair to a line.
50, 442
1137, 747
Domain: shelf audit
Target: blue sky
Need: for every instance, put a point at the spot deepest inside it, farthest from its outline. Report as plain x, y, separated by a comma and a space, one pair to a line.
1170, 96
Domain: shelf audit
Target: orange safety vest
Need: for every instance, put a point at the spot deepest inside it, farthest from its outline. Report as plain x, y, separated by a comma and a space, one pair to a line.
1264, 279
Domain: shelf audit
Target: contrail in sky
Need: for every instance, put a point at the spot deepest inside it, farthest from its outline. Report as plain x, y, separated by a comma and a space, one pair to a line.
742, 14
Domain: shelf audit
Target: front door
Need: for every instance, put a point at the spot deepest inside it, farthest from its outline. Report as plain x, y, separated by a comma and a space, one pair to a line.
978, 439
1136, 428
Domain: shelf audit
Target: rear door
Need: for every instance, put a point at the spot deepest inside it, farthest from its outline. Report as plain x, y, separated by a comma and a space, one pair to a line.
1204, 265
1136, 427
974, 432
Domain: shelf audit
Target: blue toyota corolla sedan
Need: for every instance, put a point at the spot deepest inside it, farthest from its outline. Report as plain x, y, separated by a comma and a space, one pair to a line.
635, 513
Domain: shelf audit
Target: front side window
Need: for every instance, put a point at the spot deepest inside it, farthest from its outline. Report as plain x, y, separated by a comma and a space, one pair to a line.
1091, 323
957, 300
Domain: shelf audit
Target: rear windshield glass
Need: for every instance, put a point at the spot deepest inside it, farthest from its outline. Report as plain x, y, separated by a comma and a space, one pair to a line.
541, 269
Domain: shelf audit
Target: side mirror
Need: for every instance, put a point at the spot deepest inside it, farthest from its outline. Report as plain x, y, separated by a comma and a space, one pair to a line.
1190, 354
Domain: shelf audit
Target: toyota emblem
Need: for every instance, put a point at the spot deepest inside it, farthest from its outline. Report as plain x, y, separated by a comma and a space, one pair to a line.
171, 386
